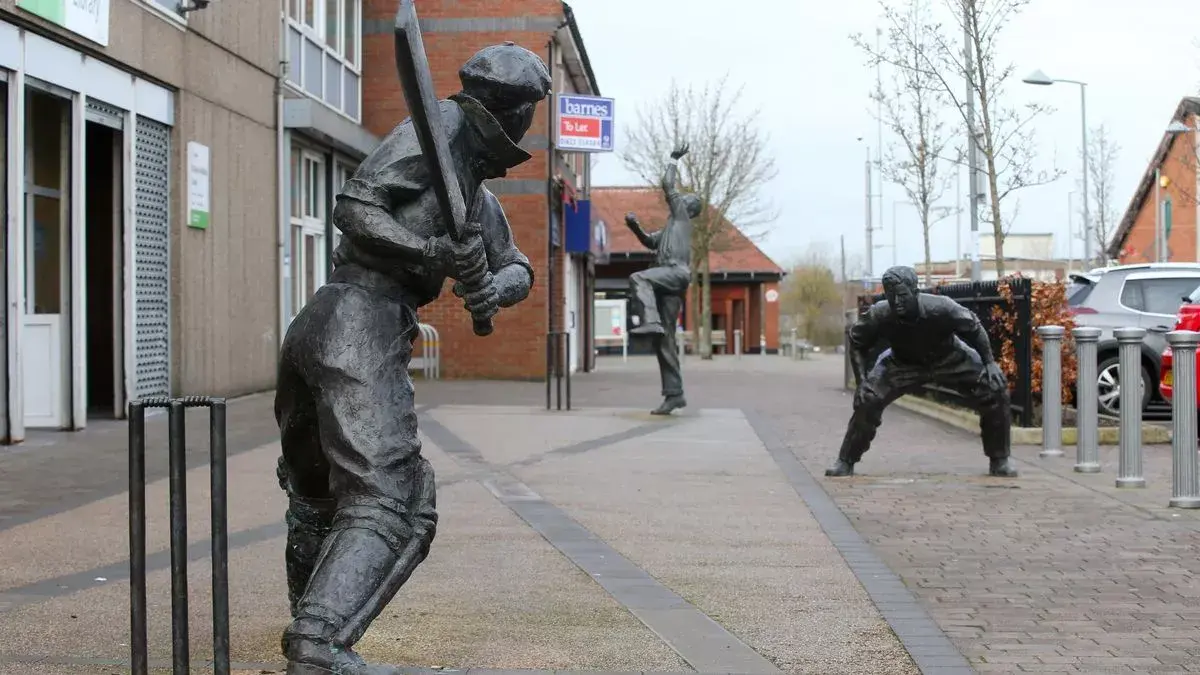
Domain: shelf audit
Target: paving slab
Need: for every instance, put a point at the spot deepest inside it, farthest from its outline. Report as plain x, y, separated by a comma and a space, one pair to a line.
698, 503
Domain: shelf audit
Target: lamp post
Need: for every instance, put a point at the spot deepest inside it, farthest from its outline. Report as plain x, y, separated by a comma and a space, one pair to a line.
1039, 78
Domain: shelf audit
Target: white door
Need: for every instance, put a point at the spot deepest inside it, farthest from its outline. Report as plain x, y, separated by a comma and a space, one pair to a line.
47, 254
571, 318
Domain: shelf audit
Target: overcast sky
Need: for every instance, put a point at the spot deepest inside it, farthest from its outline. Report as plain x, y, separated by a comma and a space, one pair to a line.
798, 66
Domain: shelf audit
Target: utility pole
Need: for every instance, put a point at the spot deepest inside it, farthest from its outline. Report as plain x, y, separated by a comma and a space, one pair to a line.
879, 119
972, 142
844, 308
870, 239
958, 221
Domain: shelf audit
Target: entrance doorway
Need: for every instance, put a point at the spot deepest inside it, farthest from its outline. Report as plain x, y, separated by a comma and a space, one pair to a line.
104, 264
45, 307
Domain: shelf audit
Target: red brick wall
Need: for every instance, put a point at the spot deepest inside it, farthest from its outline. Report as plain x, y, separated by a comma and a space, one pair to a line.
1180, 168
516, 350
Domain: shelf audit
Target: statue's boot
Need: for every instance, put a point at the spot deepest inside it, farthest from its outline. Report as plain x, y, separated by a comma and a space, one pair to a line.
309, 522
840, 468
1002, 466
670, 404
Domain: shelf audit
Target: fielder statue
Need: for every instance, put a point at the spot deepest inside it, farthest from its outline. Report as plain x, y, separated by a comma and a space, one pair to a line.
931, 340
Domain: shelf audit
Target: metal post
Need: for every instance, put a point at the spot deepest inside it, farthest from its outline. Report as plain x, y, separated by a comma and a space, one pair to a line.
138, 649
1087, 220
1087, 450
1129, 472
549, 365
1052, 337
795, 344
219, 507
567, 366
737, 342
558, 366
1185, 469
177, 471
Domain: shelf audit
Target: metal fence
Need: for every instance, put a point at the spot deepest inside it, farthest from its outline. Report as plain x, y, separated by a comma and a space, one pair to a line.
981, 297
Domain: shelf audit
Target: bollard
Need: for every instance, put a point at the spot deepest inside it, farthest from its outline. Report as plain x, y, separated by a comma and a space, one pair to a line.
737, 342
180, 653
794, 344
1052, 339
1087, 448
1129, 470
1185, 472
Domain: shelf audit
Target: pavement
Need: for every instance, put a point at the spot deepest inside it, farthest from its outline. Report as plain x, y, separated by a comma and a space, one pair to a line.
605, 539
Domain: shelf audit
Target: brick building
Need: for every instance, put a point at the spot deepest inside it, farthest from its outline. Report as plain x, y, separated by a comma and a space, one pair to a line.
532, 195
1174, 165
745, 282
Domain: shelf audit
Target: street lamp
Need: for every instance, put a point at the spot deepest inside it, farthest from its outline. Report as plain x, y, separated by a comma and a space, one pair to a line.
1039, 78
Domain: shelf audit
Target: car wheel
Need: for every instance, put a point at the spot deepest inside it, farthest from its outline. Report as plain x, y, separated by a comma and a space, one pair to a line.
1108, 386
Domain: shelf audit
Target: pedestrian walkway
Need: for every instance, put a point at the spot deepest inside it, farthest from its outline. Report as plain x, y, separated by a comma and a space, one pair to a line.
600, 539
607, 539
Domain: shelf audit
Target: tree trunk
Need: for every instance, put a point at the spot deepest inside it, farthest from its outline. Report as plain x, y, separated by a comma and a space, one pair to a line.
997, 224
705, 310
694, 306
928, 256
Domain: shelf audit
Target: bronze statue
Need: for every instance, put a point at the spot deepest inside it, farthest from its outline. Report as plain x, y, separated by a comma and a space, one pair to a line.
362, 508
931, 339
659, 290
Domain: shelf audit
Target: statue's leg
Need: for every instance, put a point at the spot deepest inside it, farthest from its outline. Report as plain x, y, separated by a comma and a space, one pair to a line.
885, 383
667, 350
993, 404
303, 474
641, 288
386, 513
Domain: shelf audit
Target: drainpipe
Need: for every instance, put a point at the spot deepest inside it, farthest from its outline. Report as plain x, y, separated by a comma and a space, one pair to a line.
282, 189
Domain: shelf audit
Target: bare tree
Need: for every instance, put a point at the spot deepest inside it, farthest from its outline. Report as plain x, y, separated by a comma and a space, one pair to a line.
912, 103
812, 298
727, 168
1103, 153
967, 49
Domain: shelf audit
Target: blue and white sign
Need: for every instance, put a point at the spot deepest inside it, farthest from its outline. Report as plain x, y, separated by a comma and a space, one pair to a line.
585, 123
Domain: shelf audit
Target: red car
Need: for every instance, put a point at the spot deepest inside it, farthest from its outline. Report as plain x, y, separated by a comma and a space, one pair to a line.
1188, 318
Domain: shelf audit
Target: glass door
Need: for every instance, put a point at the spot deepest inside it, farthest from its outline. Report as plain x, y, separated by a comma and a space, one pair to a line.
46, 257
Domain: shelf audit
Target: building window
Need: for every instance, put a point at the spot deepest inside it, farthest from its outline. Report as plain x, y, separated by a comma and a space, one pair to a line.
307, 227
324, 44
169, 7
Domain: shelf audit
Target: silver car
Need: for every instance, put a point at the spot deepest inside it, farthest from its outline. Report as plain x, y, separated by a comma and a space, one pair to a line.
1131, 296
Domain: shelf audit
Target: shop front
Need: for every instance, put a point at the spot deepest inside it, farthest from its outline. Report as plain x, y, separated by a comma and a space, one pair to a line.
85, 163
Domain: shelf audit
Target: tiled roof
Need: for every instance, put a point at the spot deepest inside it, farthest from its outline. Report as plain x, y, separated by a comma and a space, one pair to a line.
734, 252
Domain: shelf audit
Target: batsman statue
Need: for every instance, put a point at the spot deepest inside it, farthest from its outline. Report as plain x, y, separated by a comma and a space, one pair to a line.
659, 290
931, 340
362, 510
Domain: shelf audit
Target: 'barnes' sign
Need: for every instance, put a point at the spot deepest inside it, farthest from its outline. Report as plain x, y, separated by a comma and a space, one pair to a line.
585, 123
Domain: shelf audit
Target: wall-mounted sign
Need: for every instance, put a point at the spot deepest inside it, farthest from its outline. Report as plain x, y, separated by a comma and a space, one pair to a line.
772, 295
198, 185
585, 123
88, 18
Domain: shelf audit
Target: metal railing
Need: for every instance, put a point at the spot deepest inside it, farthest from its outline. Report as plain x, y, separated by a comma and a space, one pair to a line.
430, 360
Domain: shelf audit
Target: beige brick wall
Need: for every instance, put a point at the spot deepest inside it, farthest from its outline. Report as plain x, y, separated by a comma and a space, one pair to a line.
225, 298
